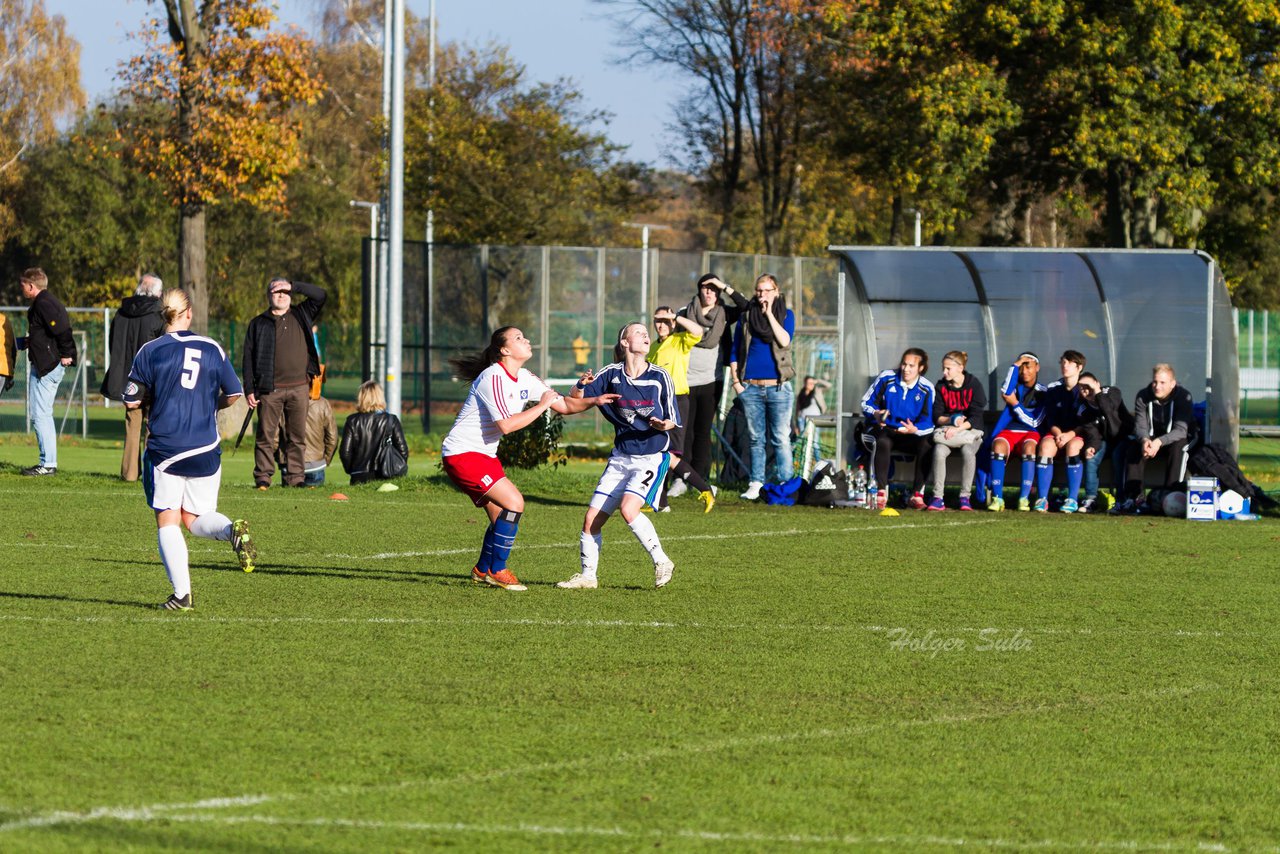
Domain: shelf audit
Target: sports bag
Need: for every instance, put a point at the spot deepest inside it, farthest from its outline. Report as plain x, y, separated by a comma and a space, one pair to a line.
826, 486
389, 462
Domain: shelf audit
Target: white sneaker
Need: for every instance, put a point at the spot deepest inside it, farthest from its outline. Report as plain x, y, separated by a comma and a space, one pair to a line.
679, 487
753, 490
578, 582
662, 573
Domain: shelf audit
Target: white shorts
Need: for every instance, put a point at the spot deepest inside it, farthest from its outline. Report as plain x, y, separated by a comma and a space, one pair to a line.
196, 495
641, 476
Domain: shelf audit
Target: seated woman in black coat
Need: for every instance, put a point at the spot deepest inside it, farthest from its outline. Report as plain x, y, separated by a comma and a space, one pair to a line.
373, 446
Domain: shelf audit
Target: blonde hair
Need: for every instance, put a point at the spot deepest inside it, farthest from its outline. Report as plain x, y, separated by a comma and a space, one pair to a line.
1164, 368
370, 398
958, 356
35, 277
175, 302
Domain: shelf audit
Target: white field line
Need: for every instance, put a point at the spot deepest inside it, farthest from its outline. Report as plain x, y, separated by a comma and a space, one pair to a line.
785, 532
847, 840
539, 622
181, 812
544, 622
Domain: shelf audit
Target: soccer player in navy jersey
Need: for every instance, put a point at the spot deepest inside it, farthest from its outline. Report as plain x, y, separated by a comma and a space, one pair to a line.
642, 415
1061, 433
182, 379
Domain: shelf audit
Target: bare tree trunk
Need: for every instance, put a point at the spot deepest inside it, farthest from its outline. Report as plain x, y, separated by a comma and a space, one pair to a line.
1118, 202
191, 264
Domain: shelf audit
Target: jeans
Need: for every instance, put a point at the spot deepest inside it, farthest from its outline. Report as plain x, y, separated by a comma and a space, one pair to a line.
41, 394
1117, 455
768, 411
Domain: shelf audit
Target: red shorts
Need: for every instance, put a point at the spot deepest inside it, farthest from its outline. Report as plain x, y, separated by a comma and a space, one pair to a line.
473, 473
1015, 438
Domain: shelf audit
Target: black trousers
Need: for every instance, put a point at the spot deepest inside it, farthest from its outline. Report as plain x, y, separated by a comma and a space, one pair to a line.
1175, 456
697, 433
887, 440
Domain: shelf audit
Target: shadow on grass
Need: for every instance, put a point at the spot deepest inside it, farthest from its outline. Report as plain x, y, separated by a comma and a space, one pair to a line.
50, 597
406, 576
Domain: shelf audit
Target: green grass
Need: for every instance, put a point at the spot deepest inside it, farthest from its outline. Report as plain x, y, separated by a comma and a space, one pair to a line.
357, 693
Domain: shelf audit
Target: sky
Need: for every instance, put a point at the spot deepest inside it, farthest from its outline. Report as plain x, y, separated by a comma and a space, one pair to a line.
560, 38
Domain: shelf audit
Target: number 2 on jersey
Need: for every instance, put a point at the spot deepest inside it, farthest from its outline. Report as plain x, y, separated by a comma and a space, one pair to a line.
190, 367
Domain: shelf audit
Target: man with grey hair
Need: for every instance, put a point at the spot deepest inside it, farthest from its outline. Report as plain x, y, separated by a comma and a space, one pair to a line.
139, 320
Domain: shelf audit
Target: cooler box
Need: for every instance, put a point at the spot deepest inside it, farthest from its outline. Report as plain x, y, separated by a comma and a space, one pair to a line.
1202, 498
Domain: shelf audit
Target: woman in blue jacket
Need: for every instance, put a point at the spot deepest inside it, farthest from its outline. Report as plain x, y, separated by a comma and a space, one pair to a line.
898, 407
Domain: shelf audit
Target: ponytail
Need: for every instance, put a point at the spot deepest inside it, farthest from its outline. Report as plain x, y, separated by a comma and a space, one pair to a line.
471, 365
175, 302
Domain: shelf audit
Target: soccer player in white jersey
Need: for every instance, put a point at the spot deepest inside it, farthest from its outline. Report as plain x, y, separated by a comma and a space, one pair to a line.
182, 380
642, 414
495, 406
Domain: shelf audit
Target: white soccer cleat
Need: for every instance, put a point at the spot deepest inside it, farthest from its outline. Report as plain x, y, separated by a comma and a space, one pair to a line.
662, 573
753, 491
678, 487
578, 582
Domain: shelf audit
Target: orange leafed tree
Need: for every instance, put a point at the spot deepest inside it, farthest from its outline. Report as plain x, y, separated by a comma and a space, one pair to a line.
216, 93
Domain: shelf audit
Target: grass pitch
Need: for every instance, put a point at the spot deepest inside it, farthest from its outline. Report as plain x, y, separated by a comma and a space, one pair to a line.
810, 680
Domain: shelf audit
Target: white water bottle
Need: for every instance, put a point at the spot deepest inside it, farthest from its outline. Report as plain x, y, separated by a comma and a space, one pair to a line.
860, 487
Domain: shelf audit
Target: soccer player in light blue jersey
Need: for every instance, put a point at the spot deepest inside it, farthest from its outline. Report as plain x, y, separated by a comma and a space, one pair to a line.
181, 380
1017, 428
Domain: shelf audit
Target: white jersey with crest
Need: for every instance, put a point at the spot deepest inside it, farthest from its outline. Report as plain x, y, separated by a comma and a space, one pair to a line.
495, 395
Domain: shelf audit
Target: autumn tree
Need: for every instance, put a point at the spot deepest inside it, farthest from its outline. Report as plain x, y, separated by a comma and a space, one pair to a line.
39, 86
224, 126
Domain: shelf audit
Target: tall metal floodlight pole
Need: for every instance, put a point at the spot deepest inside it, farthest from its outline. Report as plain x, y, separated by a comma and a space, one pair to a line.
379, 366
644, 260
431, 219
395, 253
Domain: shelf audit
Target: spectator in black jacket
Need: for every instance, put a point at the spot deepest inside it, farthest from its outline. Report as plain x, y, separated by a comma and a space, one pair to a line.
366, 432
1164, 425
139, 320
716, 308
280, 358
1106, 424
51, 349
959, 408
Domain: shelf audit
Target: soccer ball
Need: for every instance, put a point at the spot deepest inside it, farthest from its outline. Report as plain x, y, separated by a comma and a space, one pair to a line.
1175, 505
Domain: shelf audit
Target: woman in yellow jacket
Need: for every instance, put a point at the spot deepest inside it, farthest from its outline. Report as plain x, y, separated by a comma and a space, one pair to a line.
8, 353
675, 337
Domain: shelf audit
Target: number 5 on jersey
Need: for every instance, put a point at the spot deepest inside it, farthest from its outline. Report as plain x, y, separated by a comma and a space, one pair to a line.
190, 367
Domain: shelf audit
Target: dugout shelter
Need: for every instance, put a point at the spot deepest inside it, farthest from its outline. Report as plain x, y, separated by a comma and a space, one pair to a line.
1125, 310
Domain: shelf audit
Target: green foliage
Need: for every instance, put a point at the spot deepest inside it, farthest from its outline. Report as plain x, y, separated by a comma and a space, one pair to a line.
94, 224
535, 445
500, 160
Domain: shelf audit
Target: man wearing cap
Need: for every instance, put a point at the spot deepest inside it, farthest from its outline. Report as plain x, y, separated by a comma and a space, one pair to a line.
280, 358
1018, 428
